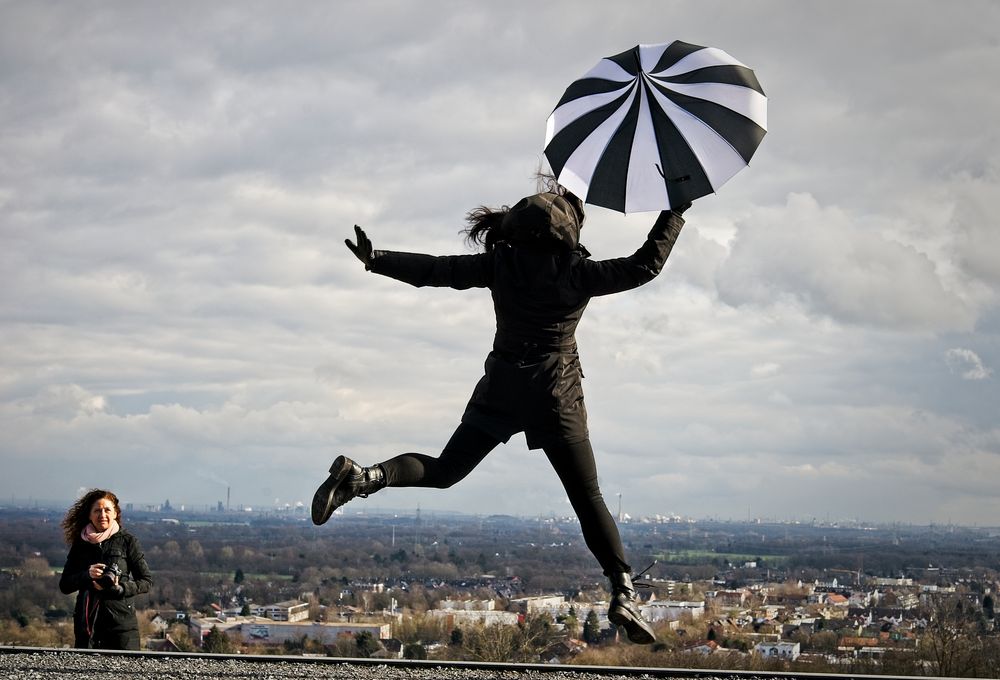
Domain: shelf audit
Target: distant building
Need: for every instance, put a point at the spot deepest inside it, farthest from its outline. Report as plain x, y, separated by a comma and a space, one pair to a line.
458, 613
467, 605
778, 650
290, 610
837, 600
671, 610
537, 605
255, 629
787, 599
881, 581
728, 598
277, 632
162, 620
458, 618
899, 599
703, 647
201, 626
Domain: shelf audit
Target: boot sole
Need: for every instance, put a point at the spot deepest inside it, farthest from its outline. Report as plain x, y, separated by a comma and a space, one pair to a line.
637, 631
322, 503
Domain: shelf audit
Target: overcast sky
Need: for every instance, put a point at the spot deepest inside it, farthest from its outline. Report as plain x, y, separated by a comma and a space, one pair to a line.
178, 313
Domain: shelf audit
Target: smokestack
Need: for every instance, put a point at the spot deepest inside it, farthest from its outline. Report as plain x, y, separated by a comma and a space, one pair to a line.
227, 499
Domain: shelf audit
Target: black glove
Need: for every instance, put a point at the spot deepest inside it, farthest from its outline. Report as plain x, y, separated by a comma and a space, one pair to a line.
363, 249
681, 208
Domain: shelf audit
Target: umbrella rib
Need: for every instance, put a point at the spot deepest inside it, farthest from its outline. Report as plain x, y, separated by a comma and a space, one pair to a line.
742, 133
729, 74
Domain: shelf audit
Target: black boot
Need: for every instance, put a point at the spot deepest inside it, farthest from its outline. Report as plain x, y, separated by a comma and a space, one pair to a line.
347, 480
624, 611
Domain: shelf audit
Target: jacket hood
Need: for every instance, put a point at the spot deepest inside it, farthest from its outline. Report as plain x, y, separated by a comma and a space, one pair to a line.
544, 219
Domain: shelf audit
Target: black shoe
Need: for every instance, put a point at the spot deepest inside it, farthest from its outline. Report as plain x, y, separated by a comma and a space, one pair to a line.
624, 611
347, 480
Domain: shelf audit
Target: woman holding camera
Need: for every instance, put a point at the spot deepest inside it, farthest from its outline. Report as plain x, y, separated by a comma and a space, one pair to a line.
107, 568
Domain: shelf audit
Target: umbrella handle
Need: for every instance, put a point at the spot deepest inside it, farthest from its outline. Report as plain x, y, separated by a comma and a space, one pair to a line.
682, 178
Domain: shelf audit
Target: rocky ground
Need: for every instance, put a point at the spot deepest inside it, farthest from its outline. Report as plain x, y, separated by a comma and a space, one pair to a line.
67, 665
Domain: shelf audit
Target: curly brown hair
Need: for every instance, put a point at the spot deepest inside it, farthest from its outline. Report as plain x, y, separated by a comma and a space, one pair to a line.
78, 515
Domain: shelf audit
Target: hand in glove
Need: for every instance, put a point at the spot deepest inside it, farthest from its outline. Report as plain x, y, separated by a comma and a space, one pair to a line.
363, 249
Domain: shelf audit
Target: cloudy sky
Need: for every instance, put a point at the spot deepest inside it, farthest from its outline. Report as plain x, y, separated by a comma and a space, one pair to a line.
178, 314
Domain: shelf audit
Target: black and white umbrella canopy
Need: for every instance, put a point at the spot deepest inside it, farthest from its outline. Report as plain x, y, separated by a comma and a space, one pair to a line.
656, 126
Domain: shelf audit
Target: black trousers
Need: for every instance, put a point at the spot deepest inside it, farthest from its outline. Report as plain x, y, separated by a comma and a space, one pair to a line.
103, 639
574, 464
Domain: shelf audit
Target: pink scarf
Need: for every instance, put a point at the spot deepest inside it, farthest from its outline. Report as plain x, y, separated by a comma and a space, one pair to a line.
92, 535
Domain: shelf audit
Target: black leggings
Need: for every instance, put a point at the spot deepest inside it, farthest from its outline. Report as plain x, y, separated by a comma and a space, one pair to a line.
574, 463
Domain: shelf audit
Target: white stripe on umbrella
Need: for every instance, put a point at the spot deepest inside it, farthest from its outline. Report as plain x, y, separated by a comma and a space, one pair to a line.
572, 110
752, 105
644, 188
609, 70
580, 166
703, 58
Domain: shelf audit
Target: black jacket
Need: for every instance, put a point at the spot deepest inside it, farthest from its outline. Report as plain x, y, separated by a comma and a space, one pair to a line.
532, 378
539, 296
104, 610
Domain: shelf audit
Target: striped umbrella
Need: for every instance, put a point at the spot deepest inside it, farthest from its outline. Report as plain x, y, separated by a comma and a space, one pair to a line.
656, 126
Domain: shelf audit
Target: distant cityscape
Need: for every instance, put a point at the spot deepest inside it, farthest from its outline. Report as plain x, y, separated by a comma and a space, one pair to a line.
300, 509
796, 595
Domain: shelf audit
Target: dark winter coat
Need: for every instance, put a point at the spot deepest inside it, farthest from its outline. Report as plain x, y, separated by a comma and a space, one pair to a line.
532, 381
103, 614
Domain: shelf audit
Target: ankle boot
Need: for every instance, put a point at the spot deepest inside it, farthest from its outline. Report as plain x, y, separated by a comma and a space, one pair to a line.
347, 480
624, 610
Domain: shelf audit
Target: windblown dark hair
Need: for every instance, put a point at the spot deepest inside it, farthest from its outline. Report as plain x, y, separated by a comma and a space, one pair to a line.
78, 515
485, 224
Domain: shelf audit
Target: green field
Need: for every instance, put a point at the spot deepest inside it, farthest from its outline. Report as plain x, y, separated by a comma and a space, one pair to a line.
710, 557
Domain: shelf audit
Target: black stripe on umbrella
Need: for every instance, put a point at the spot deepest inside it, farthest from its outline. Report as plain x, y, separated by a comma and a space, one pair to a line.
675, 51
682, 172
607, 186
628, 60
572, 136
696, 121
742, 134
586, 87
727, 75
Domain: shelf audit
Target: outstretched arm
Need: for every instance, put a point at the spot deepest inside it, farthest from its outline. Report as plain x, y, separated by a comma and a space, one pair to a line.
416, 269
624, 273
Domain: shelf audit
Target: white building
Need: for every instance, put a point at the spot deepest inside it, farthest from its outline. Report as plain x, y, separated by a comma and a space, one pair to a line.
457, 618
539, 604
671, 610
468, 605
255, 629
276, 632
290, 610
778, 650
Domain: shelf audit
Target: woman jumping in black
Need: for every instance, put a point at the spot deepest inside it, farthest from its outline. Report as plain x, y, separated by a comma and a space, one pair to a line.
541, 280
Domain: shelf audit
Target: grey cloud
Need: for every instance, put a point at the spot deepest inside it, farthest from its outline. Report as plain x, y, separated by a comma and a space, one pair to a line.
176, 182
966, 363
977, 239
826, 261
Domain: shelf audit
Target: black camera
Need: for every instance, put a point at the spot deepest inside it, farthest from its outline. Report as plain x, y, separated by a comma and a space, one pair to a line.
107, 580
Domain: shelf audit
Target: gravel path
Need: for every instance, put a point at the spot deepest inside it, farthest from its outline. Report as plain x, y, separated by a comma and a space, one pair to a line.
63, 665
